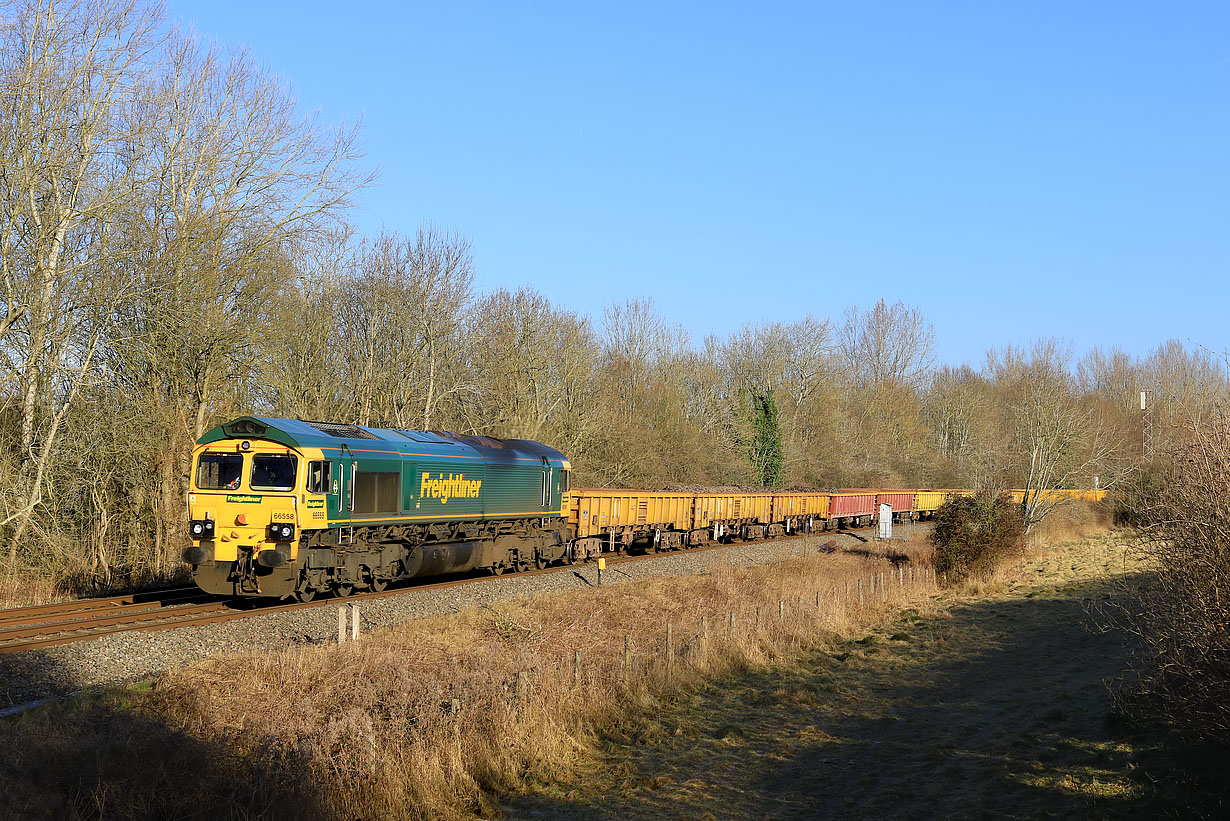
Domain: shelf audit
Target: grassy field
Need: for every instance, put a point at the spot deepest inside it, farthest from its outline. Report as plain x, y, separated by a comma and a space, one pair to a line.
993, 701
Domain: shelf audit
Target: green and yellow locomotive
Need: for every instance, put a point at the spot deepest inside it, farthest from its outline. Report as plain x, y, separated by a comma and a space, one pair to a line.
289, 508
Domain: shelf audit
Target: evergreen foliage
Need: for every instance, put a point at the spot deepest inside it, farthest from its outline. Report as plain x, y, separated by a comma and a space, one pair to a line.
767, 456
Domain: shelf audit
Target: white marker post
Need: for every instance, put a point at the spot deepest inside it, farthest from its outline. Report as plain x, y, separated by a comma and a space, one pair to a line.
886, 522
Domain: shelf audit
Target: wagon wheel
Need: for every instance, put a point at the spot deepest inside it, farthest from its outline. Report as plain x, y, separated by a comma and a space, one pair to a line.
343, 590
378, 585
497, 569
305, 595
522, 565
540, 561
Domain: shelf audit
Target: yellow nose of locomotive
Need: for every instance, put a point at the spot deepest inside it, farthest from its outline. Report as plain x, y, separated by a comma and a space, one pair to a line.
244, 520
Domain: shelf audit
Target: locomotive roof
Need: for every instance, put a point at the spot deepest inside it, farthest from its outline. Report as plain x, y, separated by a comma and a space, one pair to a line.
333, 435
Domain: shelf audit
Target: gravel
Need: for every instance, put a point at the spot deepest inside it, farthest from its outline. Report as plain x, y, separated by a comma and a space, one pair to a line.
54, 672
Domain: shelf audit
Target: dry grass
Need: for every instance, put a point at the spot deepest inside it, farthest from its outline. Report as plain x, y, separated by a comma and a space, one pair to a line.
429, 719
70, 586
1069, 524
25, 591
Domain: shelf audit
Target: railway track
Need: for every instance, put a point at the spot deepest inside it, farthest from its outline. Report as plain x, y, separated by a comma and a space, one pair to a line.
30, 628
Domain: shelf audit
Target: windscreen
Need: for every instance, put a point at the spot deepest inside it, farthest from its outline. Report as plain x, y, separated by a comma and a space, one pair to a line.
273, 472
219, 471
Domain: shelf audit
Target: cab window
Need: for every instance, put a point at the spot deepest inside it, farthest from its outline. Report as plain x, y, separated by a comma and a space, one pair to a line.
274, 472
565, 481
318, 474
219, 471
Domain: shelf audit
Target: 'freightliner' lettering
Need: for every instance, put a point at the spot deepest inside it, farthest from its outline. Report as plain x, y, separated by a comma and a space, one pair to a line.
456, 486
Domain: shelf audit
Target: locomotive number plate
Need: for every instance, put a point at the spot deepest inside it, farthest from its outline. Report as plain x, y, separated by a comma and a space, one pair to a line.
283, 516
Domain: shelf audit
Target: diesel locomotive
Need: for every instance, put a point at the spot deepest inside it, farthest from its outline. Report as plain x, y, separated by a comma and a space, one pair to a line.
289, 508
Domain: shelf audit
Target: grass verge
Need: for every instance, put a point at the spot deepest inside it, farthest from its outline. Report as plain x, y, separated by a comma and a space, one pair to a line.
428, 720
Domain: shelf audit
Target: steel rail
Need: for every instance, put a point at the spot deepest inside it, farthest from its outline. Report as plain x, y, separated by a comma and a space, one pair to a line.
149, 597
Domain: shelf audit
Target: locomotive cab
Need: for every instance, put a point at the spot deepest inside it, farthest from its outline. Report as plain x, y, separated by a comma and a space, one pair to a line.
244, 511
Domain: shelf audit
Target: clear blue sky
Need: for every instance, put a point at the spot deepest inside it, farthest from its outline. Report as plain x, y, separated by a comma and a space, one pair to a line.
1014, 169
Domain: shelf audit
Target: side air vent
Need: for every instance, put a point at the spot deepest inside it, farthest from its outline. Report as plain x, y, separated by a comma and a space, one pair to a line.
341, 431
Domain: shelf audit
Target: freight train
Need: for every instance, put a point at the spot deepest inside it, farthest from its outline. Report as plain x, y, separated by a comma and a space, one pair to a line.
287, 508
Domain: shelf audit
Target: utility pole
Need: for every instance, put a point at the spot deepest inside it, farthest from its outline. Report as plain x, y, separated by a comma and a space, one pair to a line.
1146, 414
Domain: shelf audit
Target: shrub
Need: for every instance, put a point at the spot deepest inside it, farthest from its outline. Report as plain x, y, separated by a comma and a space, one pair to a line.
1181, 611
975, 534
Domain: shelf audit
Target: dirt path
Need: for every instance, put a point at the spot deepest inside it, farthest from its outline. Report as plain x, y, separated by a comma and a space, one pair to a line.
996, 706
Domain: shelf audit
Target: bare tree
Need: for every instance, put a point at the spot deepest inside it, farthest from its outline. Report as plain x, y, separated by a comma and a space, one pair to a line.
1054, 439
888, 343
537, 363
68, 74
401, 319
234, 179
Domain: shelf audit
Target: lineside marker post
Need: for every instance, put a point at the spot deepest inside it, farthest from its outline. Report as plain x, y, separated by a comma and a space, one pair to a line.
731, 624
704, 634
670, 644
781, 611
354, 621
601, 567
576, 667
341, 625
860, 592
627, 658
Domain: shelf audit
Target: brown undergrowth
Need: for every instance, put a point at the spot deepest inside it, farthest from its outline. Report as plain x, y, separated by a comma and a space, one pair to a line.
429, 719
65, 585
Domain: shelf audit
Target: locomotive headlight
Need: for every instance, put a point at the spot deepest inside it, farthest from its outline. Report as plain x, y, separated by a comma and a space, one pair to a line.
279, 532
201, 529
